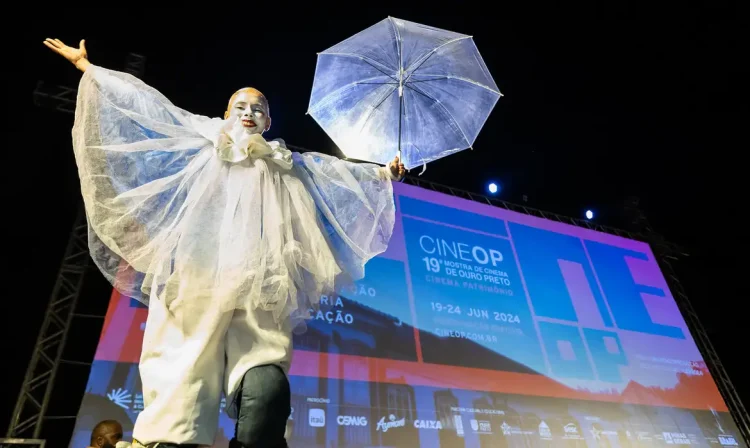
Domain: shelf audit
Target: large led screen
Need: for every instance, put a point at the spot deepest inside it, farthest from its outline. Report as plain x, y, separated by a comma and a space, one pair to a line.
479, 327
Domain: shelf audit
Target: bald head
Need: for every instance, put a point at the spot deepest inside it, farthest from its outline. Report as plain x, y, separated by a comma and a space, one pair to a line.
250, 107
249, 91
106, 434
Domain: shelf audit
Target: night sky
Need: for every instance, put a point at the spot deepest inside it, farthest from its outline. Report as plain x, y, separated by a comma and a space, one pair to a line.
600, 104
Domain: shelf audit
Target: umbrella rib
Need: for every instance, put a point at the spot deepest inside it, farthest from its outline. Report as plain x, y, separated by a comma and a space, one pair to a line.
398, 46
425, 80
382, 101
433, 51
408, 86
368, 61
447, 112
459, 78
372, 111
323, 100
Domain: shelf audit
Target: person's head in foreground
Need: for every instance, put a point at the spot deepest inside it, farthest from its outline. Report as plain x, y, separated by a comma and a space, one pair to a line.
250, 107
106, 434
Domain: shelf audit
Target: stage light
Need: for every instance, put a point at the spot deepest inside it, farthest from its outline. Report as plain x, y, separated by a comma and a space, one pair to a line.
589, 214
493, 188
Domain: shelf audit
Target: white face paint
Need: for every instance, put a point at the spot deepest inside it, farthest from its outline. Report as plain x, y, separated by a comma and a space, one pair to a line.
251, 111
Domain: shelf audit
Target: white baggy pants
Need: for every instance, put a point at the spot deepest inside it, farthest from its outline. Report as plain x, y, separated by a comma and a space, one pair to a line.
190, 353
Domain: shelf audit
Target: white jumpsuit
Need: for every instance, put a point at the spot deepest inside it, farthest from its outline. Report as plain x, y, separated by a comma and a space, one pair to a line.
229, 244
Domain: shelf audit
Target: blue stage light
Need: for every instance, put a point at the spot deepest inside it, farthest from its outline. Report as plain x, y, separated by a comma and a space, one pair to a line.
493, 188
589, 214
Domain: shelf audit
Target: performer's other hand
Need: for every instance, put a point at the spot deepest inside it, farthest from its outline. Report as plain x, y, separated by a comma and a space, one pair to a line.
77, 56
397, 168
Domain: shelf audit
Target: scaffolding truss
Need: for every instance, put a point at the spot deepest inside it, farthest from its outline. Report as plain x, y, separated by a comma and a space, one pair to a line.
135, 64
31, 407
520, 208
22, 443
33, 399
63, 98
60, 98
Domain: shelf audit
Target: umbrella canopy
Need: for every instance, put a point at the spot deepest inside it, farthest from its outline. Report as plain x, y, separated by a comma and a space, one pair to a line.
402, 87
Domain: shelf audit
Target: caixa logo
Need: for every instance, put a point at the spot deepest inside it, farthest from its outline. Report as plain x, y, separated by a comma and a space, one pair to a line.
428, 424
349, 420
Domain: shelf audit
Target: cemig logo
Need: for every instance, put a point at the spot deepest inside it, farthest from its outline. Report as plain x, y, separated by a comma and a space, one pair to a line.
348, 420
317, 418
428, 424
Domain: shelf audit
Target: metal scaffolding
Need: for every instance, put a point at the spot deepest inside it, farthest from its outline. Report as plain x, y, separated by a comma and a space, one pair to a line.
25, 443
135, 64
36, 390
666, 258
31, 407
60, 98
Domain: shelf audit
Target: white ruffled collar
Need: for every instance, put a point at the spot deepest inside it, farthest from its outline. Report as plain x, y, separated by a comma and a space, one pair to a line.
233, 144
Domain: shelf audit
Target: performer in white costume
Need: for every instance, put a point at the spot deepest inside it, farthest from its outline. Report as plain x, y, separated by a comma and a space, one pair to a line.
229, 239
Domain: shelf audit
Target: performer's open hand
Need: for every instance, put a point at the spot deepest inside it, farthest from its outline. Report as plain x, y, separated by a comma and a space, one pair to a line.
77, 56
397, 168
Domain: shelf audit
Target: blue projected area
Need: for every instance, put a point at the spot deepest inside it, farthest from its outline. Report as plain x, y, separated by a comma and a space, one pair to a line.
477, 328
369, 319
468, 292
539, 252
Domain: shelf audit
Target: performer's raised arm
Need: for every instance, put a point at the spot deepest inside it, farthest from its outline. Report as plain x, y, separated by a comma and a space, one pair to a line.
113, 96
135, 152
77, 56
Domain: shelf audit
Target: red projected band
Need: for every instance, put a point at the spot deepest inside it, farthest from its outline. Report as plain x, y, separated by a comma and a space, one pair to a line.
121, 341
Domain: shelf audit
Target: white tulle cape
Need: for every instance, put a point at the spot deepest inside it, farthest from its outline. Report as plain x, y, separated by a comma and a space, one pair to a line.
181, 209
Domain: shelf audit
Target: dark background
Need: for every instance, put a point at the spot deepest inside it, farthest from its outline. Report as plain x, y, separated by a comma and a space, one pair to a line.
601, 103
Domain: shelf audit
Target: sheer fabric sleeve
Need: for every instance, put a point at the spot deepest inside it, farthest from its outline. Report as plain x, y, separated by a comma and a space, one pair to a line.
137, 156
355, 205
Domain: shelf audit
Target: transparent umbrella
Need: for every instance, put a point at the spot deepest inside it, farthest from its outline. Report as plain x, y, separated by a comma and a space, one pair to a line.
402, 87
